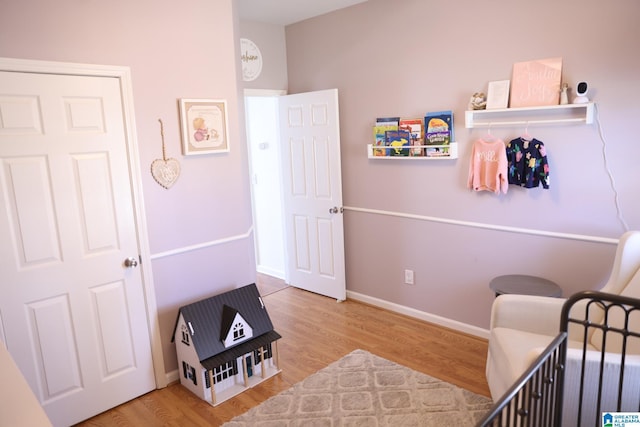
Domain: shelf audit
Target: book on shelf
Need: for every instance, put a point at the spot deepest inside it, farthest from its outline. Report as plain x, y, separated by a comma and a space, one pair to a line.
439, 127
437, 152
398, 141
383, 124
438, 131
415, 128
392, 120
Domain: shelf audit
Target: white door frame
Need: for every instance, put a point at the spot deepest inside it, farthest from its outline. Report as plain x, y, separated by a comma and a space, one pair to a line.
126, 91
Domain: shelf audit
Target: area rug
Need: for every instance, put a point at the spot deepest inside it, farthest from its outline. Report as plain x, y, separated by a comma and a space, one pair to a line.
363, 389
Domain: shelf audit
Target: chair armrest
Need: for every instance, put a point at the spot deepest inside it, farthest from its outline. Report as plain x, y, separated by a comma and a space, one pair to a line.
535, 314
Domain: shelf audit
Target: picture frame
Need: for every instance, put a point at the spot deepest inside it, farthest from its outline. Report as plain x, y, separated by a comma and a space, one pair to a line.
204, 125
498, 94
536, 83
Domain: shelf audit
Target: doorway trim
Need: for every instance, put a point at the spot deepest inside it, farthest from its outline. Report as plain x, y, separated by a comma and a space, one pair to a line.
123, 74
265, 92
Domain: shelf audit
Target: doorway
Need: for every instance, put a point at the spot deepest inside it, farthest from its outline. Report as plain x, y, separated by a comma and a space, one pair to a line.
261, 109
299, 217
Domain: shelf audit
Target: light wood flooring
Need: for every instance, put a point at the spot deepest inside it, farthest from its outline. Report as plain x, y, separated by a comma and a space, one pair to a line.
317, 331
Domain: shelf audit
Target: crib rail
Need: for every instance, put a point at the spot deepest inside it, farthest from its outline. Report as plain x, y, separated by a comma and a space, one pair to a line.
534, 400
608, 382
587, 383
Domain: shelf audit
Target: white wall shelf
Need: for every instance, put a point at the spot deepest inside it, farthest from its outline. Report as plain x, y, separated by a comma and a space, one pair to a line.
552, 114
452, 153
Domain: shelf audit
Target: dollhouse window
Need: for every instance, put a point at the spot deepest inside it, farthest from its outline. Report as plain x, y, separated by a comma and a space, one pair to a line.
238, 331
257, 354
268, 354
225, 371
189, 372
185, 335
235, 330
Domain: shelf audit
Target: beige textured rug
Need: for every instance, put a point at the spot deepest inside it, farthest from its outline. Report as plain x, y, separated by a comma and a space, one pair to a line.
362, 389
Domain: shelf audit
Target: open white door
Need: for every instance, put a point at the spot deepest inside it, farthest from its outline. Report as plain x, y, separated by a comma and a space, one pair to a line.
72, 303
312, 191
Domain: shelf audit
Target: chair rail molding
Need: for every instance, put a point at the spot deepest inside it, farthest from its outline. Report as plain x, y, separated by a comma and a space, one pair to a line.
202, 245
569, 236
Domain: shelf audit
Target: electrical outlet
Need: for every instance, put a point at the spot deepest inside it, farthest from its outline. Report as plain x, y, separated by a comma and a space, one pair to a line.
408, 277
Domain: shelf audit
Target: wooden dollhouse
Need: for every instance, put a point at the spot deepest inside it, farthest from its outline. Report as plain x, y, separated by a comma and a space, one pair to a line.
225, 344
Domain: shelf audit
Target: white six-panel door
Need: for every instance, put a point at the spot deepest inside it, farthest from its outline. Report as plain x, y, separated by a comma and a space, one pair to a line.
71, 313
310, 134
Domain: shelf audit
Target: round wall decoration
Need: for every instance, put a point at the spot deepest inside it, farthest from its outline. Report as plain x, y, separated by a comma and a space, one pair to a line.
251, 60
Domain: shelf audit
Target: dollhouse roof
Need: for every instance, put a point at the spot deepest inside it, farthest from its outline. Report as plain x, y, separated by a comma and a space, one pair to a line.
210, 319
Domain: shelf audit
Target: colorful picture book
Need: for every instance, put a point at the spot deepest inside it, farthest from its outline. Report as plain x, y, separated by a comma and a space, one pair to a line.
438, 131
415, 128
439, 128
399, 142
383, 124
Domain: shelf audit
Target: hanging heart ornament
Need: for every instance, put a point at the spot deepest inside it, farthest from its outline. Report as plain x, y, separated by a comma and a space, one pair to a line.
165, 171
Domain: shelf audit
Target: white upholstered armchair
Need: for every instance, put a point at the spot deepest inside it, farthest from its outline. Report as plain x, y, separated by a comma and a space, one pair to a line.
522, 326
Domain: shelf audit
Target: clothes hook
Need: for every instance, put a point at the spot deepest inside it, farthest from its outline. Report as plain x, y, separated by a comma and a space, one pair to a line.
489, 136
526, 136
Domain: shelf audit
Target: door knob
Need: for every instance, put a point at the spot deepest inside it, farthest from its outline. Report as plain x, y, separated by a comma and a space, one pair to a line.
333, 210
131, 262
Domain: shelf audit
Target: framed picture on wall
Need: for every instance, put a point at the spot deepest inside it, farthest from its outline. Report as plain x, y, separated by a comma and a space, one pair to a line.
536, 83
498, 94
204, 126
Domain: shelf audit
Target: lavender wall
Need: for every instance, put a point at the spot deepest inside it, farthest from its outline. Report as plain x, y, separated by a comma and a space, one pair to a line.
184, 49
408, 57
270, 39
421, 64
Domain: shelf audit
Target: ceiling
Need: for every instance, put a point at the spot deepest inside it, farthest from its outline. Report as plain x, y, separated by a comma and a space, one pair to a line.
285, 12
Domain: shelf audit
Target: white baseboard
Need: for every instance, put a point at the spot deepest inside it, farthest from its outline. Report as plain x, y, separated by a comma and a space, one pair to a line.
173, 376
269, 271
427, 317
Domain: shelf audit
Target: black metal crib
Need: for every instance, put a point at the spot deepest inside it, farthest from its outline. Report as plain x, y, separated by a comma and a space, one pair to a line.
558, 390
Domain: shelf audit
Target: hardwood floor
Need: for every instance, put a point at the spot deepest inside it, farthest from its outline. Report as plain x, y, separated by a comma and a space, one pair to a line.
317, 331
269, 284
